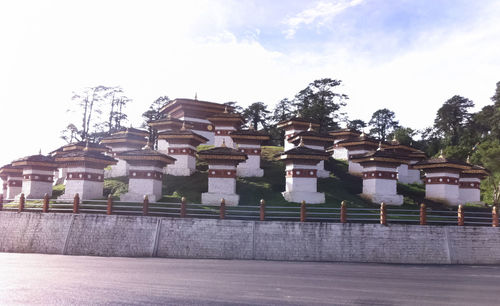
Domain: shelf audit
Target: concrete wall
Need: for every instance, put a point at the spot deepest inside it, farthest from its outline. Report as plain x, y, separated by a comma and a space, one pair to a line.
87, 234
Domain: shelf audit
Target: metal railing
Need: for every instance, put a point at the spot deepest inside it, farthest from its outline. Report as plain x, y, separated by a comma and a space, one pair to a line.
310, 213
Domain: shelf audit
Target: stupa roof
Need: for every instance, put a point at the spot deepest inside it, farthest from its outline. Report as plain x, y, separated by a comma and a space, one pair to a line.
249, 134
85, 156
92, 146
222, 153
381, 155
182, 134
297, 121
442, 162
129, 135
311, 135
8, 169
146, 154
35, 160
303, 152
194, 104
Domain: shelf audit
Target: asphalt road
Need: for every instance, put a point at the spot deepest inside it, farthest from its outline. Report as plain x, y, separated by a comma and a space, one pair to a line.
55, 279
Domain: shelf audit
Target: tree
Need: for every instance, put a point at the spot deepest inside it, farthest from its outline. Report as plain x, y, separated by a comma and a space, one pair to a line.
487, 154
356, 124
257, 113
452, 117
283, 110
318, 102
153, 113
382, 122
403, 135
117, 102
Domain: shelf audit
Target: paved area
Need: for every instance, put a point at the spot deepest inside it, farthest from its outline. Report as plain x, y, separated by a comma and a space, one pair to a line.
55, 279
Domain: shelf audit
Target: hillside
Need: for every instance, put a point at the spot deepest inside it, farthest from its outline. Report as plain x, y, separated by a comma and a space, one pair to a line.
340, 186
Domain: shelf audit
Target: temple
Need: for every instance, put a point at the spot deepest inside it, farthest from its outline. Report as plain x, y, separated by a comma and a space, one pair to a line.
293, 126
222, 162
125, 140
301, 174
224, 124
249, 142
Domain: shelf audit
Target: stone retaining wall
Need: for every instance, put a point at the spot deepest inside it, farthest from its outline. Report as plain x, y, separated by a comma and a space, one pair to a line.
136, 236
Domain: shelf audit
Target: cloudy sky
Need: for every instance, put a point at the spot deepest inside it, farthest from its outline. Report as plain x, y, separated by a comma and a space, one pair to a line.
408, 55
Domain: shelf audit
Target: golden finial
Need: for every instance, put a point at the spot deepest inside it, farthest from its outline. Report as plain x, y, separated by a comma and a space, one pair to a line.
301, 143
468, 159
183, 128
196, 96
148, 145
441, 155
223, 143
379, 146
86, 145
225, 110
362, 135
40, 152
310, 129
169, 116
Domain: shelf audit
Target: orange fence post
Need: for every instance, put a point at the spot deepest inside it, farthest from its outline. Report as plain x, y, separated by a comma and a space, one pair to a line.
145, 205
303, 211
343, 212
45, 207
1, 201
460, 214
21, 203
183, 207
423, 214
494, 216
76, 203
109, 207
222, 209
383, 214
262, 210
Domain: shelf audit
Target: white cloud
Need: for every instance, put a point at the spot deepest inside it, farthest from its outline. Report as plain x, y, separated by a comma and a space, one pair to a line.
318, 15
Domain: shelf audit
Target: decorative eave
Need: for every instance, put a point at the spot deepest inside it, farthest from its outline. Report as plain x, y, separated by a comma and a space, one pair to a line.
10, 170
303, 156
446, 165
362, 160
86, 159
223, 153
79, 147
297, 122
123, 141
180, 103
26, 164
321, 138
476, 171
182, 135
344, 133
137, 155
132, 131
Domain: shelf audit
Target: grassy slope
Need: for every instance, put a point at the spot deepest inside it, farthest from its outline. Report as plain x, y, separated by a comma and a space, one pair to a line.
339, 187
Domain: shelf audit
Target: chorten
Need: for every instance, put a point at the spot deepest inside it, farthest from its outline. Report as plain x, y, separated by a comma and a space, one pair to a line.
85, 173
145, 173
224, 124
249, 142
380, 176
125, 140
167, 124
357, 147
293, 126
182, 147
301, 174
195, 113
38, 175
314, 140
442, 179
469, 187
406, 173
341, 153
12, 178
222, 162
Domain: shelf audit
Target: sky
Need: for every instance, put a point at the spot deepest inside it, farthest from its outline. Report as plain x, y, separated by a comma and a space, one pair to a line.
409, 56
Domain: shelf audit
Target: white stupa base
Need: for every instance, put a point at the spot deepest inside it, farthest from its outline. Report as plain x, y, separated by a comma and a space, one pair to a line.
323, 173
213, 198
180, 171
394, 199
136, 197
249, 172
308, 197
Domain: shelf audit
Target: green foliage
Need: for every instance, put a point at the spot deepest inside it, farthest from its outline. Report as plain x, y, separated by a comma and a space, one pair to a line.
58, 190
356, 124
256, 114
383, 122
452, 118
116, 186
318, 102
404, 135
153, 113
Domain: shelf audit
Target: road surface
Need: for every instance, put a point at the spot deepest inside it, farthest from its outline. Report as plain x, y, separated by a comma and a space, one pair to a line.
55, 279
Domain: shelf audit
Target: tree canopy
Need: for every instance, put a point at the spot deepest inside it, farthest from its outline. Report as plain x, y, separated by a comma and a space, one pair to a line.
383, 122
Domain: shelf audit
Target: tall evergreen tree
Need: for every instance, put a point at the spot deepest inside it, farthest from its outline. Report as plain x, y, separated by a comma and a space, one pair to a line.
383, 122
452, 117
